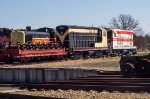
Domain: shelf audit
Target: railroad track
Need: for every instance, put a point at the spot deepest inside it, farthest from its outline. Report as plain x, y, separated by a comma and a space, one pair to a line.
109, 81
18, 96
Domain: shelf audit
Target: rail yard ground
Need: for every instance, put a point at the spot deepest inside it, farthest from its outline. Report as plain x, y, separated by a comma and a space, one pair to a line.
106, 64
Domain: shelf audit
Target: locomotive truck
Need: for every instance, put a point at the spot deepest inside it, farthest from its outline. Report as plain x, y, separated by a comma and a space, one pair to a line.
135, 66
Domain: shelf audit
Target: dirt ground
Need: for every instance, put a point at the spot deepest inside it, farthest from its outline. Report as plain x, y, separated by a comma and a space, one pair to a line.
108, 64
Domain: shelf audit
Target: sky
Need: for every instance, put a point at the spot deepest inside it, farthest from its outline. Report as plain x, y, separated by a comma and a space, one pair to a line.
51, 13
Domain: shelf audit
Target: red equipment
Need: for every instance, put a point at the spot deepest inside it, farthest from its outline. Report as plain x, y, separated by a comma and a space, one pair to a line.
12, 55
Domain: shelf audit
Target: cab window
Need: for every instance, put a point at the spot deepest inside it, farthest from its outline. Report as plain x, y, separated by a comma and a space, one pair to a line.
115, 35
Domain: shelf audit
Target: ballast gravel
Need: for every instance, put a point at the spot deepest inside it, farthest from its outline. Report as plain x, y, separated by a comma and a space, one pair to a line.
71, 94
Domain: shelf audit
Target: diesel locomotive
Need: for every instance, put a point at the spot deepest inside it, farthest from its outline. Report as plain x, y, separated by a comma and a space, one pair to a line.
66, 41
94, 41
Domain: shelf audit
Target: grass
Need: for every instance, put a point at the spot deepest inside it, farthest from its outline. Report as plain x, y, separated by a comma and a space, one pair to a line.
143, 53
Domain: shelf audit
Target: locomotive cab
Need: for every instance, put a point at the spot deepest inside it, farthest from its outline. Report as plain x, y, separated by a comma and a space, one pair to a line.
17, 37
120, 42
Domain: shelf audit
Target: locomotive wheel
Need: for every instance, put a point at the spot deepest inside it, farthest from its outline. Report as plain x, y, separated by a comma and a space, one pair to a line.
128, 70
143, 68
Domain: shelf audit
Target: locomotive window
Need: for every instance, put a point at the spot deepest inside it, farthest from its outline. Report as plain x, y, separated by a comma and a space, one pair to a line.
115, 35
28, 38
40, 36
52, 35
109, 34
104, 34
99, 36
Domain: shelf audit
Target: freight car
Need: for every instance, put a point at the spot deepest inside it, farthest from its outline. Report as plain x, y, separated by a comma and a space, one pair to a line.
135, 66
26, 45
95, 42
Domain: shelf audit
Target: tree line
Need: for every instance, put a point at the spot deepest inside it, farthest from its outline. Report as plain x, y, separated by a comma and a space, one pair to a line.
142, 42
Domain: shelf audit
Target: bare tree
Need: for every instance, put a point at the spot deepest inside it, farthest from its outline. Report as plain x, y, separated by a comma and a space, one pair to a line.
126, 22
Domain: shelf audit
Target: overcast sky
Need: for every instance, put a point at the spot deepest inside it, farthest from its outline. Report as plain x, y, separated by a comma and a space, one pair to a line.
51, 13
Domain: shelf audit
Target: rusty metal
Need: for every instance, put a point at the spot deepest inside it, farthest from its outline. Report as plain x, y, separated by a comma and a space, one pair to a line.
17, 55
135, 66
